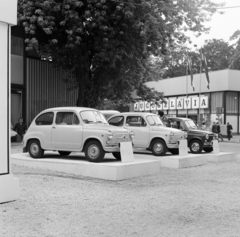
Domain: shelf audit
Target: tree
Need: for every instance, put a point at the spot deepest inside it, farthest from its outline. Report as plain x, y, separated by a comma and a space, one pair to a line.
107, 45
235, 59
218, 54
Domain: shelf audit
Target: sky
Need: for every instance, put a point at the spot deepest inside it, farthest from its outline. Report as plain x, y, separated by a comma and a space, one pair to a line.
222, 25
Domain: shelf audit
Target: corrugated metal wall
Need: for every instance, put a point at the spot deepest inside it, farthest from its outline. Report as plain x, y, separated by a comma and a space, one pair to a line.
45, 88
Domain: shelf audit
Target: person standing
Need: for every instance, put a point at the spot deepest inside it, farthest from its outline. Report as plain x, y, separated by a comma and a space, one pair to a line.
20, 128
229, 131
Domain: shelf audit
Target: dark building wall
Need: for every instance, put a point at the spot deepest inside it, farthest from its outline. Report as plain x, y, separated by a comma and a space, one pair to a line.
45, 88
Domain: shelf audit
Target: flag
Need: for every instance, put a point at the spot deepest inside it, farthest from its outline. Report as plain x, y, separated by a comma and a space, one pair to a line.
189, 62
204, 65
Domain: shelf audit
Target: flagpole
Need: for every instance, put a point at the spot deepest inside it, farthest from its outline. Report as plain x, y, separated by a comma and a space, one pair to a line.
200, 87
187, 85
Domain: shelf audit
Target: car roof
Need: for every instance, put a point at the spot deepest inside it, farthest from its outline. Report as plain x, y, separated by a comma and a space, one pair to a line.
179, 118
77, 109
135, 113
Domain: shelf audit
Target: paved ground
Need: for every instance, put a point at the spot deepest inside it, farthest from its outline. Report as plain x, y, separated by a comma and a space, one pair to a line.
198, 201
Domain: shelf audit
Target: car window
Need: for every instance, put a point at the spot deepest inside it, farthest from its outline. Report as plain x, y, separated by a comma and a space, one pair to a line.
66, 118
116, 121
154, 120
45, 119
190, 124
92, 116
182, 127
136, 121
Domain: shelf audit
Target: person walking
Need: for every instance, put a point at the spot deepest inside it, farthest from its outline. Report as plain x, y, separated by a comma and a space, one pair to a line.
218, 128
20, 128
214, 127
229, 131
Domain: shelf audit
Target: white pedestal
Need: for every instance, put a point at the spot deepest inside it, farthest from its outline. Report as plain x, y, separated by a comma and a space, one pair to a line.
215, 147
74, 164
183, 148
222, 157
9, 188
179, 162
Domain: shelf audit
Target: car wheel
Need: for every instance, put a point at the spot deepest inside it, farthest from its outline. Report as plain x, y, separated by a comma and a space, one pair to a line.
158, 147
196, 146
64, 153
174, 151
117, 155
94, 151
35, 149
208, 149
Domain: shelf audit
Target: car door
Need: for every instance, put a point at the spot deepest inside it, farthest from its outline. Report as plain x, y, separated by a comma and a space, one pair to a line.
67, 131
138, 125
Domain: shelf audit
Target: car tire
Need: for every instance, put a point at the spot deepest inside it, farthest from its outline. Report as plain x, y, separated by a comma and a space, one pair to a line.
196, 146
174, 151
158, 147
208, 149
117, 155
35, 149
64, 153
94, 151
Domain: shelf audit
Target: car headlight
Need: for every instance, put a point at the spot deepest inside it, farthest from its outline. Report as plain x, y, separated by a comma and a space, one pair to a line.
171, 134
206, 136
109, 135
185, 135
131, 134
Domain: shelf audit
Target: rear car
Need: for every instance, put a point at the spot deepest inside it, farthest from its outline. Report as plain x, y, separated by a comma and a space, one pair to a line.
198, 140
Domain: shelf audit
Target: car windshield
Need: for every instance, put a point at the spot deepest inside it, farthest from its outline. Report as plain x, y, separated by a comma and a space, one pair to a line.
92, 116
154, 120
190, 124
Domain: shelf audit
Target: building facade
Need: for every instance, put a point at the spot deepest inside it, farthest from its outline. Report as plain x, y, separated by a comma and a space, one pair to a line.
219, 103
35, 84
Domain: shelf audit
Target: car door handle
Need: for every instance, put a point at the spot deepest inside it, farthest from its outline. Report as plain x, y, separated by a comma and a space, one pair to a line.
53, 127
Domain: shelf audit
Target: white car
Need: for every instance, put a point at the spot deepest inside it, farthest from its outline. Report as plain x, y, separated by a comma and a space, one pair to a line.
149, 132
74, 129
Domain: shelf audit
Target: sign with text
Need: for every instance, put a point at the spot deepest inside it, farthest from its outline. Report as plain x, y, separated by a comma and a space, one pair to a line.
174, 103
187, 103
126, 151
180, 103
195, 103
147, 106
166, 105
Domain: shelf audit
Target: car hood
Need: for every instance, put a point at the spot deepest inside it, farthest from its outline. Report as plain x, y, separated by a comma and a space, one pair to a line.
197, 131
106, 127
166, 129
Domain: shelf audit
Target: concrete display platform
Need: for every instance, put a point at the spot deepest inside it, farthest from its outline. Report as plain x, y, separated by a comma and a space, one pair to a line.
109, 169
222, 157
179, 162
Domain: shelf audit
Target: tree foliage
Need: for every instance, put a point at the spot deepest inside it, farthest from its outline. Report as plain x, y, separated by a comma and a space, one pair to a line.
219, 55
109, 46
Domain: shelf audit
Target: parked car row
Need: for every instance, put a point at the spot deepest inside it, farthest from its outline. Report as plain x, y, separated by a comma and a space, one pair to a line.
75, 129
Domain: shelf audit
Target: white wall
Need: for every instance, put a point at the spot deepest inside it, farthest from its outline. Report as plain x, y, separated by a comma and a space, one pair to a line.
3, 99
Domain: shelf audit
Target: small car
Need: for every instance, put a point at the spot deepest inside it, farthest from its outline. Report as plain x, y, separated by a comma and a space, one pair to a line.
74, 129
149, 132
198, 140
